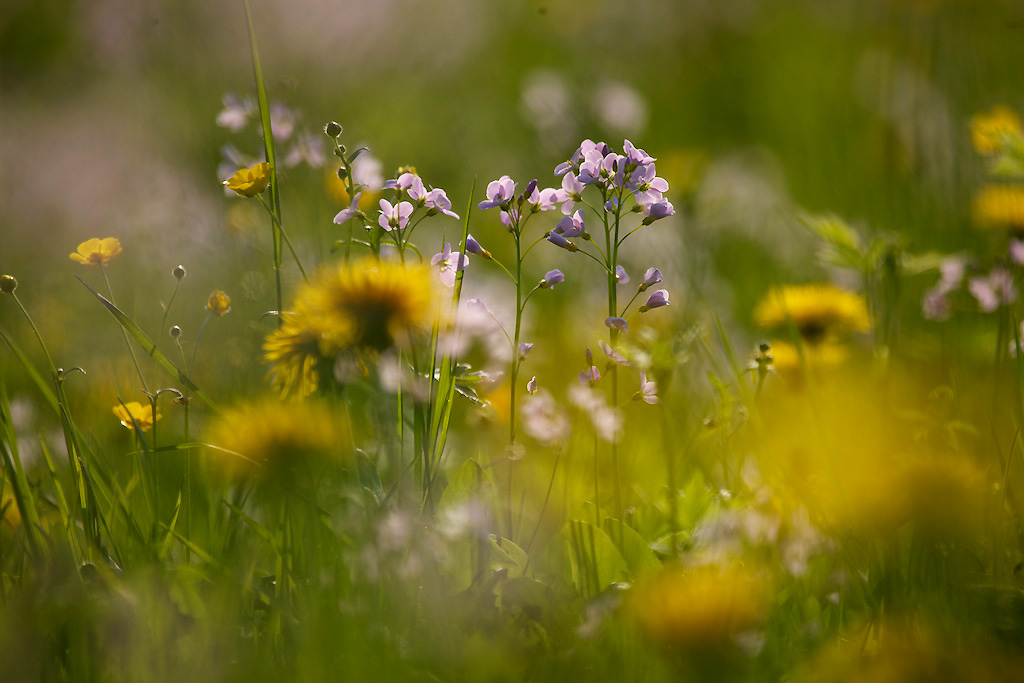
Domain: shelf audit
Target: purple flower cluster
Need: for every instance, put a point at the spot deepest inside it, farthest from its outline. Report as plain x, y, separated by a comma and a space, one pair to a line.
595, 163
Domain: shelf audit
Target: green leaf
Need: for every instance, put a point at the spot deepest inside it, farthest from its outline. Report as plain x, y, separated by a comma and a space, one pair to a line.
639, 556
594, 560
470, 482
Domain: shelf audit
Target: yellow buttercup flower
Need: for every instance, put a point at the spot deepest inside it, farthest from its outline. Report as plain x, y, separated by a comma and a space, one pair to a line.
97, 251
818, 311
133, 413
219, 303
989, 131
249, 182
999, 206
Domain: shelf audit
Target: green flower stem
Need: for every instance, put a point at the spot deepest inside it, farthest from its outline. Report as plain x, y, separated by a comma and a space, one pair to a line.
277, 222
167, 309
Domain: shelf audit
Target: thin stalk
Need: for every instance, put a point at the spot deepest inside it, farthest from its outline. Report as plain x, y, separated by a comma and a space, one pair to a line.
131, 351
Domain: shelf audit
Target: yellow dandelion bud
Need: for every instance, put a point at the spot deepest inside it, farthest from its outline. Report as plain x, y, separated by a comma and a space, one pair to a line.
97, 251
219, 303
999, 206
134, 413
249, 182
989, 131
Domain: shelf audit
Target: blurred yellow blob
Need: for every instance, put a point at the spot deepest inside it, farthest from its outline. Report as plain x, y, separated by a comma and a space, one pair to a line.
699, 608
336, 190
990, 130
999, 206
97, 251
786, 357
894, 652
249, 182
277, 443
860, 467
133, 413
819, 311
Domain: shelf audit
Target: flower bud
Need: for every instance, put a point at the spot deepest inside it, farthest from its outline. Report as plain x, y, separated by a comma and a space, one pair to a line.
651, 278
656, 300
178, 272
342, 173
473, 247
616, 323
219, 303
8, 284
332, 129
560, 241
175, 332
552, 278
531, 386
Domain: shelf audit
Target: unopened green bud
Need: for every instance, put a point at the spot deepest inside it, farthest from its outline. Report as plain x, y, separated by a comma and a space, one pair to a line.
332, 129
178, 272
8, 284
175, 331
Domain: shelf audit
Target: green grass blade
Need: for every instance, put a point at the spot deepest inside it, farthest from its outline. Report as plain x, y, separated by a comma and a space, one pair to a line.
151, 349
22, 492
44, 386
440, 419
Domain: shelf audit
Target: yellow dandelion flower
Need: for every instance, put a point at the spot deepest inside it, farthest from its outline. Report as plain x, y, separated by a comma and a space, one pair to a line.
699, 609
249, 182
999, 206
276, 443
97, 251
989, 131
819, 311
293, 352
361, 308
219, 303
370, 305
133, 413
828, 353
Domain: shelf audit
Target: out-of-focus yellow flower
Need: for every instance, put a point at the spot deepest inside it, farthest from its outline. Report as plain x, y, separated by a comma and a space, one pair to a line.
249, 182
989, 130
999, 206
133, 413
219, 303
97, 251
361, 309
819, 311
293, 352
828, 353
895, 652
276, 443
699, 609
373, 305
11, 514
